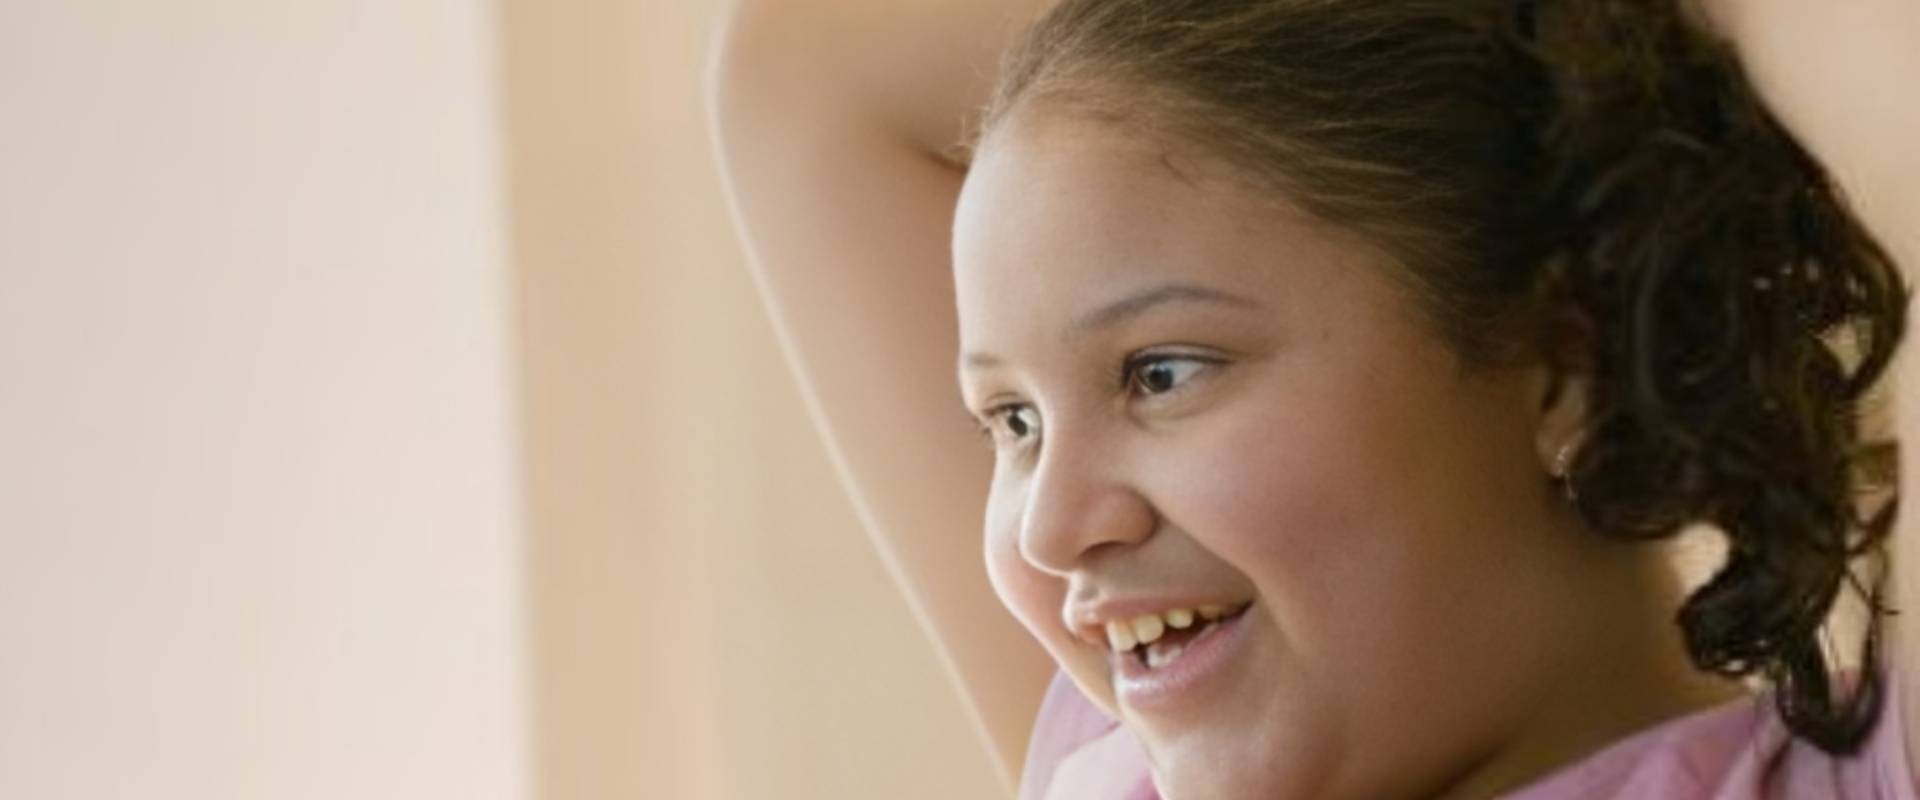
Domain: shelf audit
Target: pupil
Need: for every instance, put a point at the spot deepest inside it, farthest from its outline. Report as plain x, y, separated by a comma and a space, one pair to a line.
1158, 378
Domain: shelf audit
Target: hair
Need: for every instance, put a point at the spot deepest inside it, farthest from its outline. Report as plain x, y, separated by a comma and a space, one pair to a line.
1594, 166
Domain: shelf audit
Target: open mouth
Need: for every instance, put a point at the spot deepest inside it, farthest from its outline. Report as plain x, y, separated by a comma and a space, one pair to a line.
1157, 640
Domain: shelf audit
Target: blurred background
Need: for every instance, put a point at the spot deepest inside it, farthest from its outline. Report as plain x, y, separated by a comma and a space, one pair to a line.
386, 411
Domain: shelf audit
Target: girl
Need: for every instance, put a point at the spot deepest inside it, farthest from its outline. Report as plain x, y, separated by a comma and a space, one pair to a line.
1341, 363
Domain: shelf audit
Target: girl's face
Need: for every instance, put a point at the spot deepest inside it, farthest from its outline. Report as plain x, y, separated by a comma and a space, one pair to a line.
1202, 399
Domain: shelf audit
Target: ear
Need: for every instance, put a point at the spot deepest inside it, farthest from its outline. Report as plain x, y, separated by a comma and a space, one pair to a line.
1563, 425
1563, 391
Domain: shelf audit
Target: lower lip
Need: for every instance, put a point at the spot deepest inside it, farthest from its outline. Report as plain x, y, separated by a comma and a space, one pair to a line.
1180, 683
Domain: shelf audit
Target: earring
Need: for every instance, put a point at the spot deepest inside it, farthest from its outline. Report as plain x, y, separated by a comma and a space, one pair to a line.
1563, 469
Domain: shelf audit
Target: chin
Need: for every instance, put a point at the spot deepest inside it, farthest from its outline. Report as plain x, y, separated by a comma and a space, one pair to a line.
1234, 766
1241, 762
1211, 779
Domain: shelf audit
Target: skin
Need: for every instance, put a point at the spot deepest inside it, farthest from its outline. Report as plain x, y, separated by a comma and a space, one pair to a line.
1309, 445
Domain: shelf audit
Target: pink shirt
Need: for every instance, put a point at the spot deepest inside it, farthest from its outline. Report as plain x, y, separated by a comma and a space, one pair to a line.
1722, 753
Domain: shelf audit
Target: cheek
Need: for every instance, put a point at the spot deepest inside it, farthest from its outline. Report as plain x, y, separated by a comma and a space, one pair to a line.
1330, 497
1274, 484
1277, 500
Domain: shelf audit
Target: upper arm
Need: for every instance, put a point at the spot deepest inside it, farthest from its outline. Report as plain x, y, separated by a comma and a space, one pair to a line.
846, 212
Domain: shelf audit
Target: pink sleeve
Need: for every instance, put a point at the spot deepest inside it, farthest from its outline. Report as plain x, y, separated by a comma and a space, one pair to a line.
1078, 752
1740, 751
1888, 747
1878, 771
1065, 723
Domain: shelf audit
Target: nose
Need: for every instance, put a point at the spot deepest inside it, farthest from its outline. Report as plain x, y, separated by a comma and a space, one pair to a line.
1079, 500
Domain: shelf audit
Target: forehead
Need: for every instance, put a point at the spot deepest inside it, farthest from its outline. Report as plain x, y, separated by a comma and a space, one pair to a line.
1059, 214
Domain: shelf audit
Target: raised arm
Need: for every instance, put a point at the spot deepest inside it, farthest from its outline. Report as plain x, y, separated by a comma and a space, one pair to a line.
1844, 77
832, 118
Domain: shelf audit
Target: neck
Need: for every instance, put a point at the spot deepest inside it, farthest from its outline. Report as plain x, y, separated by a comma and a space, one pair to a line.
1620, 666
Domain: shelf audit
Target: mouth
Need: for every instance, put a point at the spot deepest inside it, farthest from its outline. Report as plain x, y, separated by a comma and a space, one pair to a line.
1164, 661
1159, 639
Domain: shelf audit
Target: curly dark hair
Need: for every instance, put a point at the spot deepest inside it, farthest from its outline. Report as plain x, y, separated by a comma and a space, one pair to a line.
1598, 166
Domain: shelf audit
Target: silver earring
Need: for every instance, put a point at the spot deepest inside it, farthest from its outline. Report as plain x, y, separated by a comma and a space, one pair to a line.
1563, 469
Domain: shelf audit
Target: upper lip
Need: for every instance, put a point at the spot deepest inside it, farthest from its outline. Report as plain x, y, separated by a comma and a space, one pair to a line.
1088, 620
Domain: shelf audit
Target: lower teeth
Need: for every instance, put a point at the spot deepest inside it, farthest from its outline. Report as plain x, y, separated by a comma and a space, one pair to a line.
1156, 657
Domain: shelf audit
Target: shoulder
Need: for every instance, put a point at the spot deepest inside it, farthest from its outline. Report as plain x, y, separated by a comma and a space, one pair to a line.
1078, 751
1739, 751
1880, 770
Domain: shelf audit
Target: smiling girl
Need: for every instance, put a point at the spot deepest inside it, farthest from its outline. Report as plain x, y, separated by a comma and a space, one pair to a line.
1343, 366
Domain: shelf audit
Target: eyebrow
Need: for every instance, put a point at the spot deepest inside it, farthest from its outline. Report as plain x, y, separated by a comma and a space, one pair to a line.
1128, 307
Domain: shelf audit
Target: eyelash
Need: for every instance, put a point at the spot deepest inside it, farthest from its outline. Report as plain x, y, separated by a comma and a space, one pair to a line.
1125, 377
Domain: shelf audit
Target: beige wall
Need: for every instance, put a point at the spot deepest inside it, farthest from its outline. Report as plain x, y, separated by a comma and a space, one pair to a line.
385, 411
258, 515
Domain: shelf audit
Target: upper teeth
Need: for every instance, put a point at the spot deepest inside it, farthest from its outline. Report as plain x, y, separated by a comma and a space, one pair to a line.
1124, 635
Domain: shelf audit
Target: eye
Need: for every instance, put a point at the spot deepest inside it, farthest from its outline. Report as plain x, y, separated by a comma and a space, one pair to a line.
1157, 375
1011, 423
